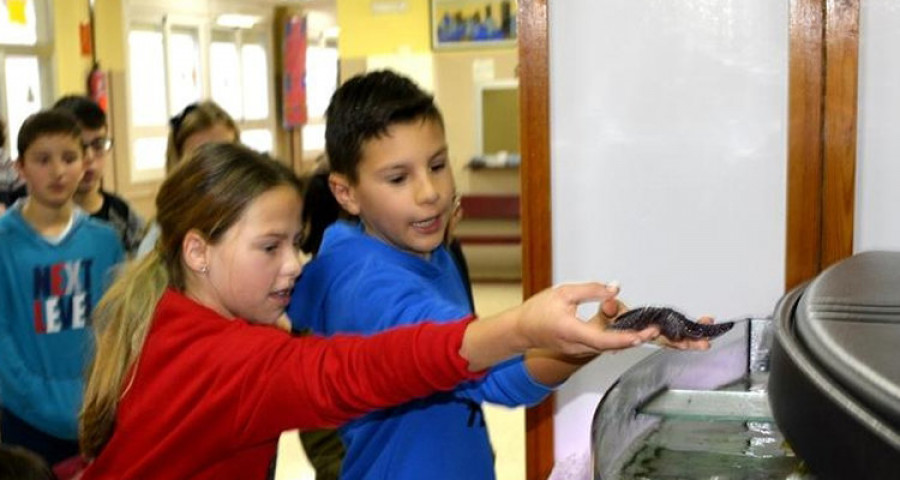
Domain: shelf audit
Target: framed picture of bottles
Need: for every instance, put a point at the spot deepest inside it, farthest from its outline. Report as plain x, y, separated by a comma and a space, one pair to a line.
462, 24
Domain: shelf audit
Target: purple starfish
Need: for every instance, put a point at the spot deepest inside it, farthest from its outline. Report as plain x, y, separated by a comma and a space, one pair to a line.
672, 324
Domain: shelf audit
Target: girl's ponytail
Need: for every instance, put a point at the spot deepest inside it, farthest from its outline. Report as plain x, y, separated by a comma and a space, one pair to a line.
121, 320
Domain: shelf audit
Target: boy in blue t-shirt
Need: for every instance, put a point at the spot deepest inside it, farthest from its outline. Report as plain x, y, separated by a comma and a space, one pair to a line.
390, 168
55, 263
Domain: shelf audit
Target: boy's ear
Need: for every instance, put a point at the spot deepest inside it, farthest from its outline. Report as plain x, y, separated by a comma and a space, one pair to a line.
195, 250
343, 192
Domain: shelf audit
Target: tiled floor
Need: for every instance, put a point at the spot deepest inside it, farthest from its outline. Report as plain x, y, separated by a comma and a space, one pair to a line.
506, 426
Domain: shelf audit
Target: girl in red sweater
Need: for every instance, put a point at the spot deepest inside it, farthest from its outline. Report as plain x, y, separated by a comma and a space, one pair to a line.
188, 383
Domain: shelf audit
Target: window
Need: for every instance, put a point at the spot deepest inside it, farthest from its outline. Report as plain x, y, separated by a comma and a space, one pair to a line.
177, 61
240, 79
149, 115
321, 82
24, 60
185, 74
23, 91
18, 23
148, 83
225, 69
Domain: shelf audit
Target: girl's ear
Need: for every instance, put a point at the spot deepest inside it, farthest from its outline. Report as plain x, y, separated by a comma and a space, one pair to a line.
195, 251
343, 192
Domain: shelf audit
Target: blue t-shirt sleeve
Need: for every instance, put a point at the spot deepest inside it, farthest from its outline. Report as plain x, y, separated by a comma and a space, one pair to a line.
508, 383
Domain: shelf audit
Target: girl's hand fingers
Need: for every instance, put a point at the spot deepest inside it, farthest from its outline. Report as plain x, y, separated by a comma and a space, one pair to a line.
689, 343
592, 339
577, 293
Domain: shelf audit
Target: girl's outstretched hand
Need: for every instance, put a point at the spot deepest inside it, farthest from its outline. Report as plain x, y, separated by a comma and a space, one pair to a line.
687, 343
549, 320
561, 330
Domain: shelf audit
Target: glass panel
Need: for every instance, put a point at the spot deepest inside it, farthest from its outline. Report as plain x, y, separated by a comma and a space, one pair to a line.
256, 82
149, 156
23, 93
18, 22
224, 77
148, 83
258, 139
877, 216
314, 137
321, 79
184, 61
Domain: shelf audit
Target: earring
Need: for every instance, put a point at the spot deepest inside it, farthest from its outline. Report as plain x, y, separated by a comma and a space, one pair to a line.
204, 269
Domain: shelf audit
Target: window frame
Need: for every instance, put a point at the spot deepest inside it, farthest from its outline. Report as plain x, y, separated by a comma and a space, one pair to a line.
270, 121
42, 49
171, 21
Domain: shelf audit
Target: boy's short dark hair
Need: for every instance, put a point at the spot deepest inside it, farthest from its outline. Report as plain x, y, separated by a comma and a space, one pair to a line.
46, 122
17, 463
86, 111
364, 108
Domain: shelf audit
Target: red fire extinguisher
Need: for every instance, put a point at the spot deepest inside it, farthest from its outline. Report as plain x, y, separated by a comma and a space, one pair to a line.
97, 81
98, 87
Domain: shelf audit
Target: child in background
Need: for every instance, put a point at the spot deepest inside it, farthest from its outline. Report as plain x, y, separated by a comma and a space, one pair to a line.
90, 195
56, 262
11, 186
17, 463
197, 124
390, 166
191, 382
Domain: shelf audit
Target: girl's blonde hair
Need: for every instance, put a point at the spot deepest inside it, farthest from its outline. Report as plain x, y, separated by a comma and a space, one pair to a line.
195, 117
207, 193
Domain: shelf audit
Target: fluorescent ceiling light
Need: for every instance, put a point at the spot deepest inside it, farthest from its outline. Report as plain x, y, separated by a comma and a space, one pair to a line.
237, 20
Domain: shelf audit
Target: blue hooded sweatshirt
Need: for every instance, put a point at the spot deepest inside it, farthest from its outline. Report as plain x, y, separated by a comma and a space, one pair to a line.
47, 293
359, 284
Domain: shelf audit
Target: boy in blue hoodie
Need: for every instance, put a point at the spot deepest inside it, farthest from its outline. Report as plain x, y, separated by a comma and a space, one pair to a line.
390, 168
55, 263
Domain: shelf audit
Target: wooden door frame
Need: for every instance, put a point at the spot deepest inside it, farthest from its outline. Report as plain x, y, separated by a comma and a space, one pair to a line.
821, 160
822, 123
537, 267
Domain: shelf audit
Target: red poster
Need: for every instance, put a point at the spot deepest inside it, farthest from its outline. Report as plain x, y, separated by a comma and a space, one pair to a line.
294, 82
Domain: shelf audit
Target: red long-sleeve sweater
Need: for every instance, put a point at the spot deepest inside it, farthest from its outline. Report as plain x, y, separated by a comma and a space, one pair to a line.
211, 396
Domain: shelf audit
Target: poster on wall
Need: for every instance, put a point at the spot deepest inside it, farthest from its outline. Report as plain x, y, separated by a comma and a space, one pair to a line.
294, 78
461, 24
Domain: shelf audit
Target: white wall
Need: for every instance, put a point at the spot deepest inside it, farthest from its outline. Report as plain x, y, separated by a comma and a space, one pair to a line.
668, 144
877, 219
